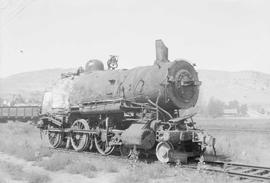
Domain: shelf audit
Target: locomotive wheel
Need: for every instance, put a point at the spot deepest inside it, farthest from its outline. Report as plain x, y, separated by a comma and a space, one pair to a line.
80, 141
101, 145
125, 151
163, 151
55, 139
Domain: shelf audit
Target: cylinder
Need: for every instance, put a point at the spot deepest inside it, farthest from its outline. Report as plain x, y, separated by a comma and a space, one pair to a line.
138, 135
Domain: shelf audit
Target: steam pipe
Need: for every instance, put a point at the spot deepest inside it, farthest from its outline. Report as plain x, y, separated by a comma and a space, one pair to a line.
160, 108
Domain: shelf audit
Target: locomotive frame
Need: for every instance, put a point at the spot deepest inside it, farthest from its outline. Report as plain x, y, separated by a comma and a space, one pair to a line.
95, 124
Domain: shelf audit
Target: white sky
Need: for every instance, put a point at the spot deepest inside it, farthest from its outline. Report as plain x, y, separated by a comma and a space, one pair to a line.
215, 34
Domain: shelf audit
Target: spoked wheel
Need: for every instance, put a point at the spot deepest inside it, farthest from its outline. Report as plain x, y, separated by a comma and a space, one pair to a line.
102, 145
163, 151
125, 151
55, 139
80, 141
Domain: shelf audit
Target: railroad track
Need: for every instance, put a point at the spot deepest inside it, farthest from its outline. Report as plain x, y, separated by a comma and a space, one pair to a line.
240, 170
243, 171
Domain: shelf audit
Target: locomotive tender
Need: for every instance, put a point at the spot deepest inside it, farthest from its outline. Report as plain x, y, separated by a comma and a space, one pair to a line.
136, 111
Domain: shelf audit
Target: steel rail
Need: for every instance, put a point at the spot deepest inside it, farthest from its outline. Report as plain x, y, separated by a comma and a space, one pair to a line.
240, 170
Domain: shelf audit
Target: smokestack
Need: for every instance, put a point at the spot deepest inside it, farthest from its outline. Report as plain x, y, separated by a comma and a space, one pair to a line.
161, 52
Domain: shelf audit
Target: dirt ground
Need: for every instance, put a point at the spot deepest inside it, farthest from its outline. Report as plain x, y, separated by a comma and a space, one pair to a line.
24, 157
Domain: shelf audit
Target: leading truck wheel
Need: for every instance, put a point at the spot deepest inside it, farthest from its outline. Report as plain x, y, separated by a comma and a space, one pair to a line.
163, 151
80, 141
55, 139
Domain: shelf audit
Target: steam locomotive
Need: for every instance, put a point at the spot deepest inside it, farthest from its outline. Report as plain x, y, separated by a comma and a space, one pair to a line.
141, 110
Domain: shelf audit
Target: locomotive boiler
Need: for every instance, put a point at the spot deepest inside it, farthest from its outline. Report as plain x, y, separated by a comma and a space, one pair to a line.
136, 111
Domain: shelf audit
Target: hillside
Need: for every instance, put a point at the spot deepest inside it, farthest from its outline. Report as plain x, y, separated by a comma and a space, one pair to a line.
245, 86
29, 83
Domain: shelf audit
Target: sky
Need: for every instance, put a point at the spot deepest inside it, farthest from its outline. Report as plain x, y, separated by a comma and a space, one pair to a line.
230, 35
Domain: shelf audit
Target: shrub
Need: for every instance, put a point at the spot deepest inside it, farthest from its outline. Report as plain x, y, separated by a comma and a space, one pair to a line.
143, 173
215, 108
84, 168
34, 177
112, 168
23, 141
15, 171
57, 162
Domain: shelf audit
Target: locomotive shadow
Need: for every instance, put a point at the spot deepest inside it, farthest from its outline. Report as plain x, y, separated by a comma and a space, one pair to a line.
218, 157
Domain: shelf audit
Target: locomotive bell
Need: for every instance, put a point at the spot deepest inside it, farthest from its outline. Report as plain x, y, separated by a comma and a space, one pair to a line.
94, 65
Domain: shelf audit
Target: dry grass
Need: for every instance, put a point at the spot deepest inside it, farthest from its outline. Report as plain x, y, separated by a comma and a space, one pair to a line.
159, 173
16, 172
97, 164
143, 173
244, 147
75, 164
2, 180
23, 141
84, 168
34, 177
209, 178
111, 167
58, 162
235, 123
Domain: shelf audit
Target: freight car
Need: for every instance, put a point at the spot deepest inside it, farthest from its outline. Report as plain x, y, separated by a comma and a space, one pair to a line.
20, 113
136, 111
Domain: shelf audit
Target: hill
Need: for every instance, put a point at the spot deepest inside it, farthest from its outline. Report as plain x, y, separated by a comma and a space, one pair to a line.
247, 87
29, 83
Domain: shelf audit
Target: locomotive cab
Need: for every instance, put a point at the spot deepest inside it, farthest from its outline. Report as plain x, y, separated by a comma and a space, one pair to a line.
54, 103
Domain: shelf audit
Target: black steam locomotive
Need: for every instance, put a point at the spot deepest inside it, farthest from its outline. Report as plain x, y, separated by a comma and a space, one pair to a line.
140, 110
